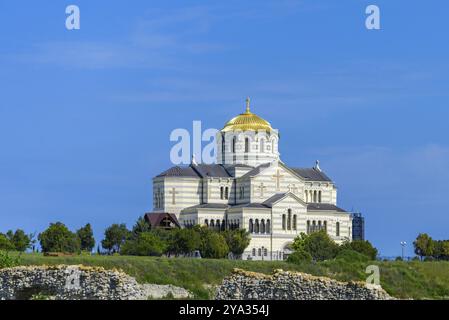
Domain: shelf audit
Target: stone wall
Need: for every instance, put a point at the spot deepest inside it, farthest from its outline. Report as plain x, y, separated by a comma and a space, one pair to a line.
78, 283
283, 285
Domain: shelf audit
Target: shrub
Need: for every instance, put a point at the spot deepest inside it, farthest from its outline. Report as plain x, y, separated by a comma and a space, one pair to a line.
146, 244
8, 261
5, 243
58, 238
299, 256
362, 247
349, 255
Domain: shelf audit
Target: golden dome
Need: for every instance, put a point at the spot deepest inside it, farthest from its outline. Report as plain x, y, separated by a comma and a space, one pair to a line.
247, 121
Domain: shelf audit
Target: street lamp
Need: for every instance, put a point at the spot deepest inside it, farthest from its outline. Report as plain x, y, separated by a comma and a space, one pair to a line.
403, 244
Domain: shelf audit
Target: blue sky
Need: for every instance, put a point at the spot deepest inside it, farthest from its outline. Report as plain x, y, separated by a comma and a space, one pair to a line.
85, 116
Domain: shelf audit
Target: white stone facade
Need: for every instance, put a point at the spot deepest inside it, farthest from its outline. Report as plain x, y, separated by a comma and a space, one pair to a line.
251, 188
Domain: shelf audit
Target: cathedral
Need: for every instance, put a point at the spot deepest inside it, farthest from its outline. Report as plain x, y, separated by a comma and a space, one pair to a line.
250, 187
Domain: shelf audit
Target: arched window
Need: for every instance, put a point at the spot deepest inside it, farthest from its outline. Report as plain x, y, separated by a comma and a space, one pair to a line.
223, 225
262, 226
256, 226
294, 222
307, 195
221, 192
314, 196
289, 219
254, 252
246, 145
284, 222
265, 252
268, 226
223, 144
308, 226
259, 252
313, 226
251, 226
218, 225
226, 193
319, 225
262, 145
325, 226
319, 196
212, 223
234, 141
206, 222
337, 229
242, 192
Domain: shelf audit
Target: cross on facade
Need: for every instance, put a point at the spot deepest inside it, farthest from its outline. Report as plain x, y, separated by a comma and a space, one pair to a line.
261, 189
292, 188
278, 177
173, 193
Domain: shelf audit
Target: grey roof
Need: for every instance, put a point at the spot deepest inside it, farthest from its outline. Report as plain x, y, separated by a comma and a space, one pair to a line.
197, 171
311, 174
178, 171
251, 205
238, 165
323, 207
256, 170
270, 201
211, 170
210, 206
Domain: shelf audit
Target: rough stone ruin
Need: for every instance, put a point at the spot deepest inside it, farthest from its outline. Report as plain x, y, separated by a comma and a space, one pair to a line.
284, 285
78, 283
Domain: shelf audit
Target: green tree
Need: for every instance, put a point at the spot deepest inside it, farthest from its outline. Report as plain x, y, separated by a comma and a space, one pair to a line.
5, 243
320, 246
213, 246
86, 236
237, 240
185, 241
445, 249
299, 241
146, 244
424, 245
114, 237
140, 226
361, 246
58, 238
21, 240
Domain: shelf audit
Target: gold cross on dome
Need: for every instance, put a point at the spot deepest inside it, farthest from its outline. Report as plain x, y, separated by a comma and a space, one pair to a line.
248, 100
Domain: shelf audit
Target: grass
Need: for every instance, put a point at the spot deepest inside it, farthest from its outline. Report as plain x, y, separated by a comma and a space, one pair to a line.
405, 280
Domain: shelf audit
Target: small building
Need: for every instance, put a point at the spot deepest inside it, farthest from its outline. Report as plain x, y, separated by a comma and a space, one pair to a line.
166, 221
358, 226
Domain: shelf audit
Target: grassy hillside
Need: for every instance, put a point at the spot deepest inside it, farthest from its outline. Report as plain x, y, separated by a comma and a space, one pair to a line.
417, 280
